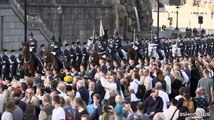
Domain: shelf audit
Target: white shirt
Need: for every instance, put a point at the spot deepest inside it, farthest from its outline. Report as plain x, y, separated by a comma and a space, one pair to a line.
148, 83
178, 97
108, 86
7, 116
165, 99
134, 87
168, 84
170, 111
2, 100
58, 114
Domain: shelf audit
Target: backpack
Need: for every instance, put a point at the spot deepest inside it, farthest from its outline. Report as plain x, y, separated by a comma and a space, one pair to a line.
141, 89
190, 105
69, 113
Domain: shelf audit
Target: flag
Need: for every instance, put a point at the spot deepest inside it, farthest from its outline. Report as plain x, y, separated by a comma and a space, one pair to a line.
101, 29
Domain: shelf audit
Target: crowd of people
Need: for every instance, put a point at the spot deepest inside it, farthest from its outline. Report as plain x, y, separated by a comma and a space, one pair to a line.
149, 89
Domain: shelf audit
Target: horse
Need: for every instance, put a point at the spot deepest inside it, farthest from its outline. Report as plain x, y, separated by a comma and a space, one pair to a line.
152, 50
176, 51
50, 61
94, 58
29, 63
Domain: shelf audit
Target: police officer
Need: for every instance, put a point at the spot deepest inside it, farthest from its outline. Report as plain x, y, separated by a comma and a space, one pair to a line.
13, 64
20, 64
6, 64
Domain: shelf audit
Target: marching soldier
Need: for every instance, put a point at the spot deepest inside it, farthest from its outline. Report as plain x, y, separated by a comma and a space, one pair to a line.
6, 64
13, 63
20, 64
73, 54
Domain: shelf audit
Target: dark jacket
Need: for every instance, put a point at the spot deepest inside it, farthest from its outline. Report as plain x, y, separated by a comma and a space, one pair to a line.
84, 94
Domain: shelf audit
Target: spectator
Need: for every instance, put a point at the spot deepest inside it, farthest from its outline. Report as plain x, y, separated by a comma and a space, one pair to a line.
17, 113
133, 90
46, 111
81, 108
200, 101
159, 78
9, 108
176, 83
61, 89
85, 117
172, 113
82, 92
96, 99
182, 90
36, 103
30, 113
183, 109
163, 95
140, 108
147, 80
69, 112
58, 112
29, 94
91, 89
207, 83
153, 103
119, 106
2, 98
159, 116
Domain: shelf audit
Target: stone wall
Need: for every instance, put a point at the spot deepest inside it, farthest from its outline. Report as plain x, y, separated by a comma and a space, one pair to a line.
12, 30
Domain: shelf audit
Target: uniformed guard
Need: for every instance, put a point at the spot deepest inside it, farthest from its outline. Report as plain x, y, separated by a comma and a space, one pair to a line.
67, 53
73, 54
42, 49
13, 64
32, 44
6, 64
111, 49
78, 54
85, 55
20, 64
100, 49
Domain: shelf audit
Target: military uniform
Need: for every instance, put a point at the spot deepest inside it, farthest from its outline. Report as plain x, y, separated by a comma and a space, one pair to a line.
5, 65
78, 55
13, 64
85, 56
100, 49
67, 53
32, 44
111, 48
73, 54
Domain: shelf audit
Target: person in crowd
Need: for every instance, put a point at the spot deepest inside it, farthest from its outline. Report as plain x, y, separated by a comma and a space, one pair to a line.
96, 103
82, 92
58, 112
61, 89
147, 80
30, 113
176, 84
8, 111
69, 112
159, 78
183, 109
200, 101
140, 108
46, 111
207, 83
133, 90
85, 117
28, 95
172, 113
2, 98
36, 103
168, 81
81, 108
163, 95
17, 113
153, 104
91, 90
159, 116
119, 106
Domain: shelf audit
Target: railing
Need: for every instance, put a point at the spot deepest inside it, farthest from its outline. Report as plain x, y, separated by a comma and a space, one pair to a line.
33, 22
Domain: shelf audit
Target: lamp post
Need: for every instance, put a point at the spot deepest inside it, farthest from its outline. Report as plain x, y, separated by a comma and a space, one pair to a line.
59, 9
25, 22
158, 20
177, 18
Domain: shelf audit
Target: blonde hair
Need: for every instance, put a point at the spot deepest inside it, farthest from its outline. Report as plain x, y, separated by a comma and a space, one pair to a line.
118, 99
35, 101
159, 116
61, 86
177, 75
